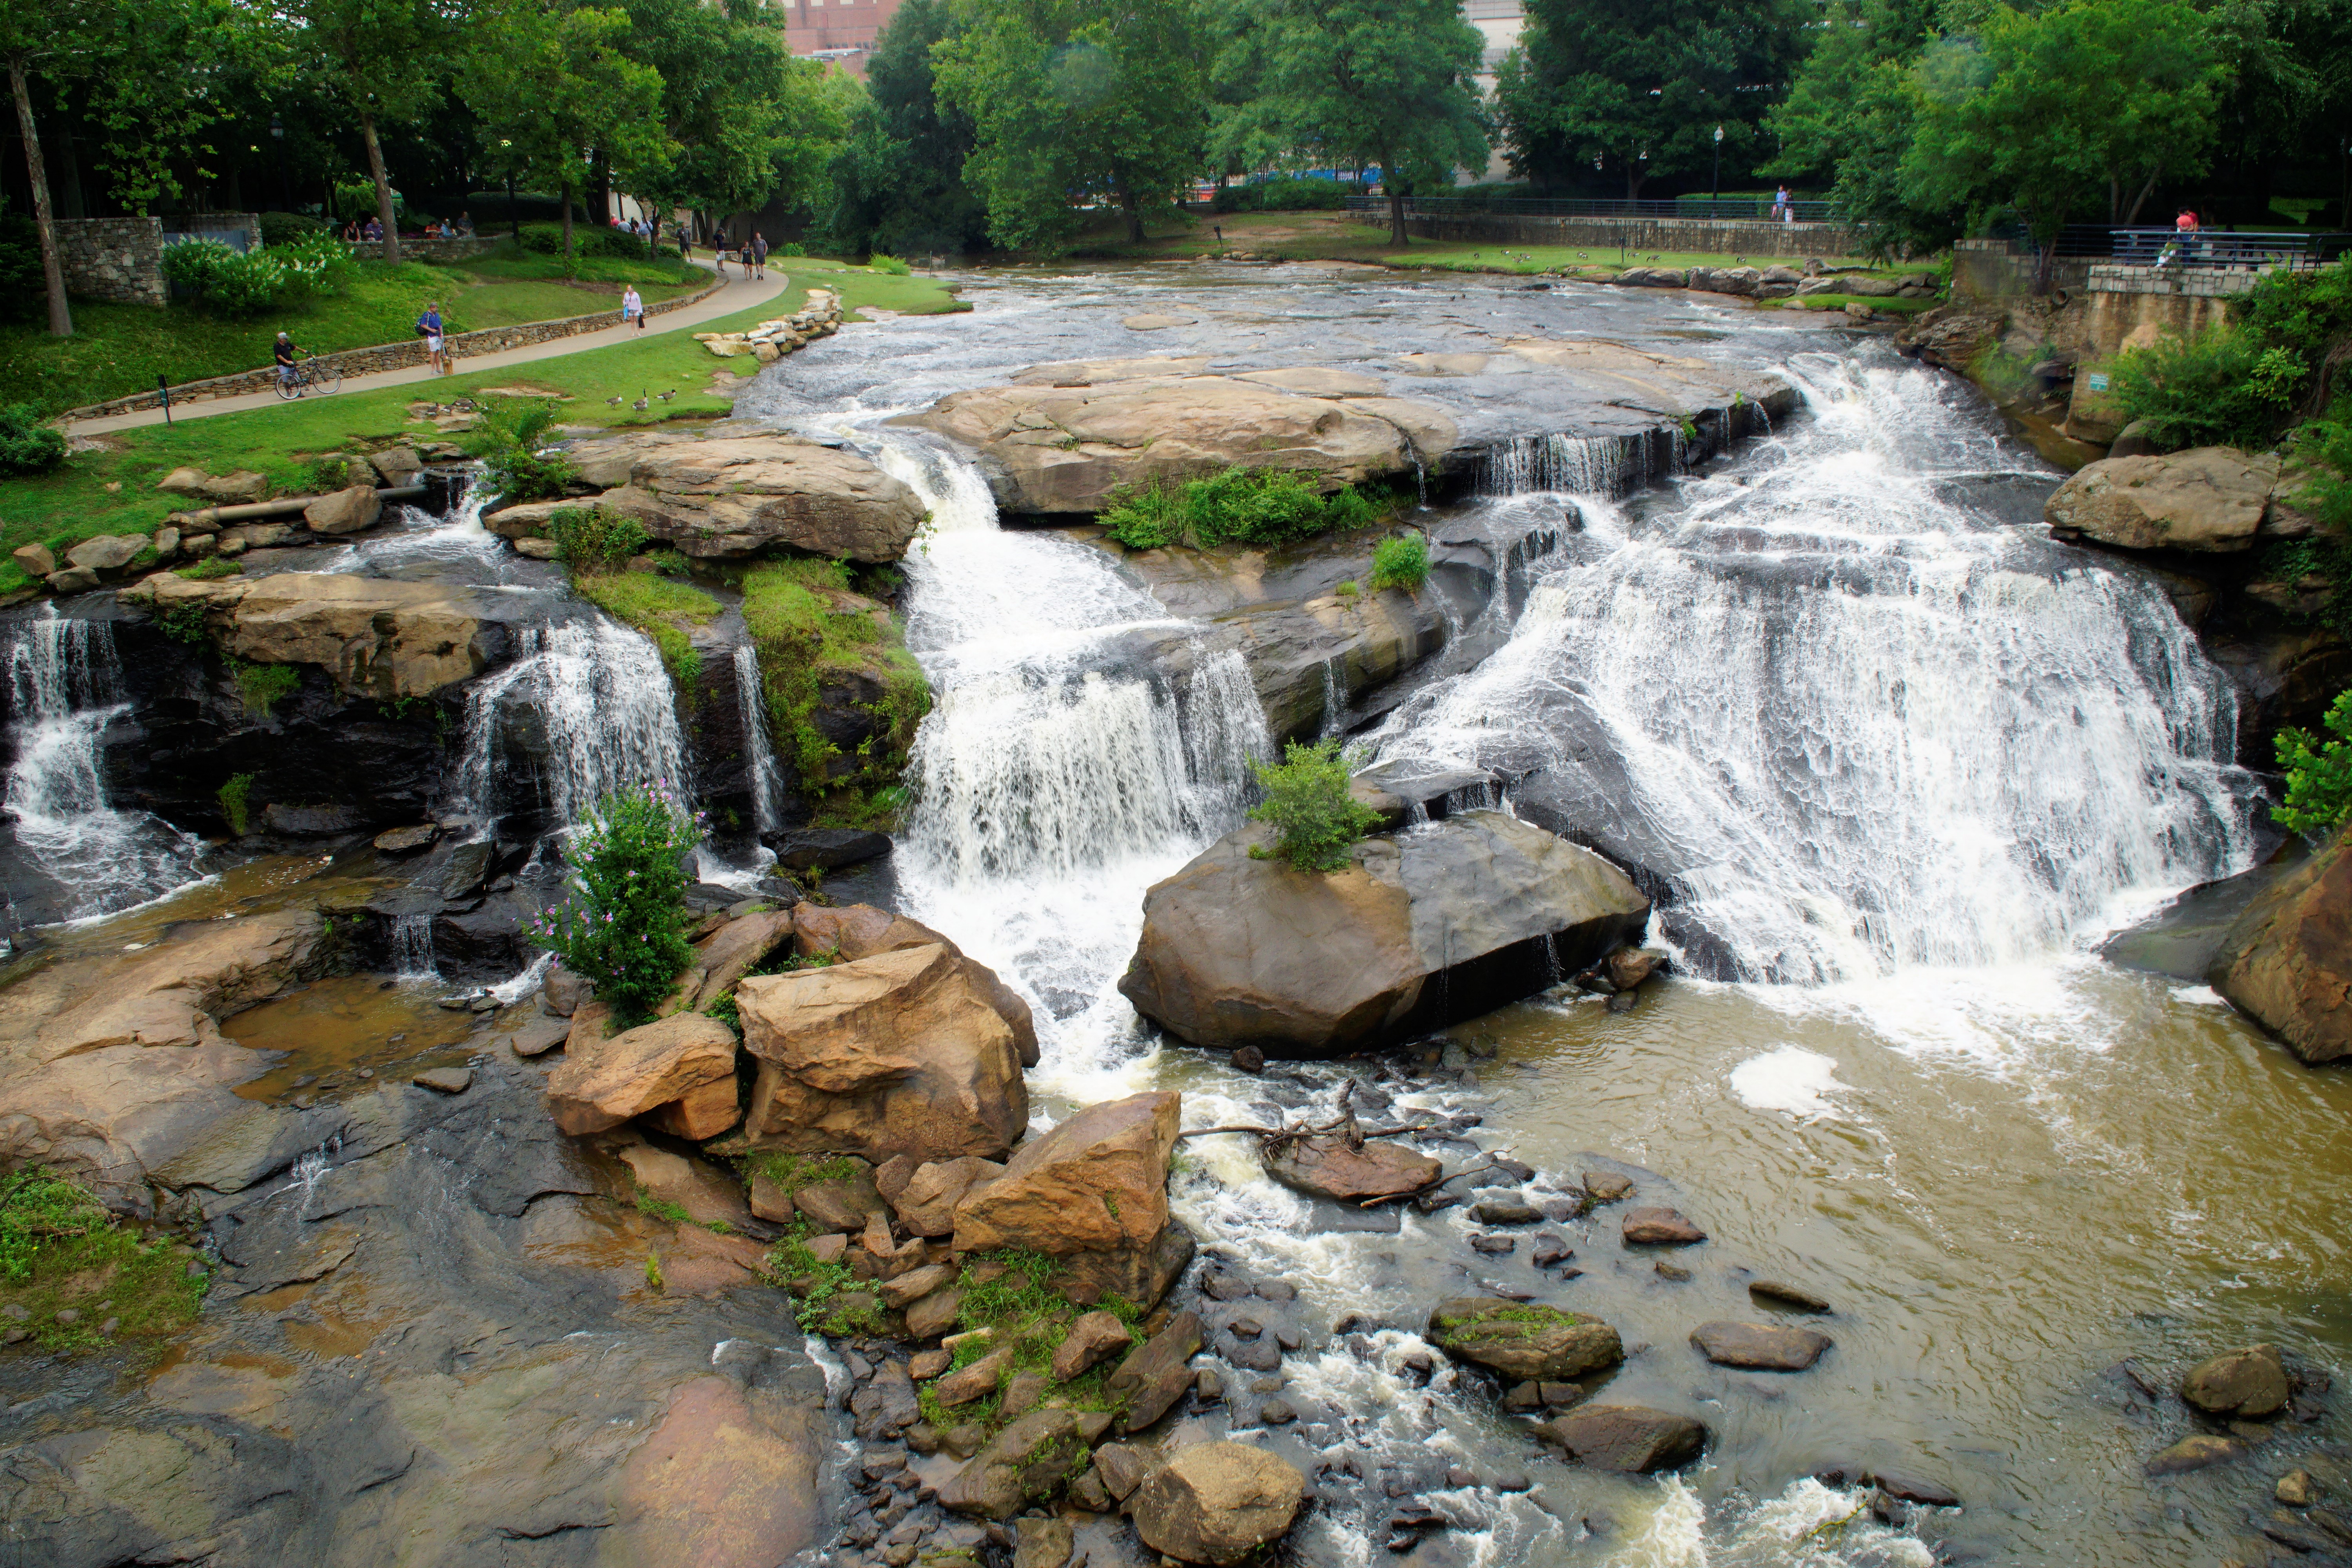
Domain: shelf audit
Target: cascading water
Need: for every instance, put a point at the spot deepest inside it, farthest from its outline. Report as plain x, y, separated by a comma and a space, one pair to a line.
759, 747
585, 710
412, 947
1854, 724
66, 680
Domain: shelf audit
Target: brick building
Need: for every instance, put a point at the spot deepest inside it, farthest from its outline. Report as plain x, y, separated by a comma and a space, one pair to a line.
842, 31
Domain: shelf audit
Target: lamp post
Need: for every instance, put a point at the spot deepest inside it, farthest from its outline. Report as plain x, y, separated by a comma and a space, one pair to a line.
277, 151
1715, 192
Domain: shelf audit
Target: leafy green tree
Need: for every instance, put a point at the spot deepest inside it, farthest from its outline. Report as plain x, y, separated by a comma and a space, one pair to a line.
1076, 100
1640, 86
1850, 115
384, 62
1357, 82
1306, 800
2046, 112
897, 180
2318, 773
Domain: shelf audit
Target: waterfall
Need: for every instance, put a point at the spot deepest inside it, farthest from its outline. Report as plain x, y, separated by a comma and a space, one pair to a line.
65, 678
585, 710
1854, 722
759, 747
412, 947
1335, 699
1607, 466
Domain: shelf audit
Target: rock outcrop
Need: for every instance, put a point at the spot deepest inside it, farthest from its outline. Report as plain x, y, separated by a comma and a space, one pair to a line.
1091, 1194
1524, 1341
899, 1053
734, 497
605, 1079
1217, 1502
2287, 960
861, 930
1238, 950
2206, 499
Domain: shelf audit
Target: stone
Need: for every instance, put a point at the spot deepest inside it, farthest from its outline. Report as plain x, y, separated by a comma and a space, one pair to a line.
2296, 1489
925, 1365
705, 1112
167, 543
734, 497
105, 552
562, 992
2136, 439
1513, 1210
1122, 1467
34, 560
1631, 1438
72, 580
915, 1284
1237, 950
926, 1203
737, 948
444, 1080
1028, 1458
976, 1381
407, 840
1914, 1489
1774, 1293
1092, 1193
707, 1194
2286, 961
1326, 1167
2205, 499
1043, 1543
1629, 966
1023, 1392
1064, 447
345, 511
1092, 1338
901, 1053
1759, 1347
1607, 1186
2199, 1452
1090, 1493
604, 1081
934, 1315
1522, 1340
861, 930
1660, 1227
2249, 1383
1156, 1374
1494, 1246
396, 466
828, 849
1217, 1502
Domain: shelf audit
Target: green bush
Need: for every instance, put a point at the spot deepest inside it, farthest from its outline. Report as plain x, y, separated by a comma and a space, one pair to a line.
192, 264
507, 438
264, 686
790, 247
36, 1210
595, 543
623, 929
2222, 387
1281, 196
236, 799
587, 239
1253, 505
2318, 773
890, 264
1402, 563
280, 229
1306, 800
26, 445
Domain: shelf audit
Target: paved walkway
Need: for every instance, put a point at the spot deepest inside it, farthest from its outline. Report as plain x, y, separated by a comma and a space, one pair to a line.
735, 294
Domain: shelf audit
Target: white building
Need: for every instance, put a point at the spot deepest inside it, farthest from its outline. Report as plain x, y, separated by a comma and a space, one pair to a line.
1499, 22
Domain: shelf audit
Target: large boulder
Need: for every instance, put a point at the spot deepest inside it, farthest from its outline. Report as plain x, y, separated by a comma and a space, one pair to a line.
1632, 1438
1217, 1502
345, 511
1064, 446
900, 1053
2206, 499
1524, 1341
1091, 1194
738, 496
735, 949
2249, 1383
861, 930
1027, 1460
604, 1080
2287, 960
1330, 1167
1241, 951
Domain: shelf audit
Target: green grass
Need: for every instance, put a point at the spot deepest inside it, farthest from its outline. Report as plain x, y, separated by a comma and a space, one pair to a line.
283, 441
1011, 1294
656, 606
60, 1250
264, 686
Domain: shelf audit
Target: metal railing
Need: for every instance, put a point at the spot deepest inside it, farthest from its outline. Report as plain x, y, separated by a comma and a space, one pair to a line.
2166, 245
1717, 209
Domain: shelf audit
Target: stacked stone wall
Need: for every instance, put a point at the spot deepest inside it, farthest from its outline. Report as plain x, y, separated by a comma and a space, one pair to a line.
1696, 236
115, 258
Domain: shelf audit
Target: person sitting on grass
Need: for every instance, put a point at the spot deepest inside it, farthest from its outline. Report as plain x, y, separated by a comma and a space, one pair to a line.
285, 353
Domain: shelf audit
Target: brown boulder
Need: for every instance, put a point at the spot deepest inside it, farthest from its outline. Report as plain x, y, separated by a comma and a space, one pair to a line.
1631, 1438
701, 1112
861, 930
926, 1203
735, 949
1092, 1338
1091, 1194
603, 1082
1660, 1227
1156, 1374
738, 496
2249, 1383
1217, 1502
2287, 961
345, 511
846, 1206
1328, 1168
1521, 1340
2208, 499
897, 1054
1028, 1460
1759, 1347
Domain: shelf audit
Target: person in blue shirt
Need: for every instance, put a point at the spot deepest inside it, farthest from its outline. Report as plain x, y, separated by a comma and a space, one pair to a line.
428, 327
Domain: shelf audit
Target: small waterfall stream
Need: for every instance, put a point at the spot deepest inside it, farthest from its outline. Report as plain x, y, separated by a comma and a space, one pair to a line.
759, 747
66, 683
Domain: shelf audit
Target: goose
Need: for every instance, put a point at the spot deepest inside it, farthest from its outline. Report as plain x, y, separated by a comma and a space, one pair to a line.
666, 396
613, 401
639, 405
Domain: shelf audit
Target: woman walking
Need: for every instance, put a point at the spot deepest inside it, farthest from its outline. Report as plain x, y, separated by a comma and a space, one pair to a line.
633, 308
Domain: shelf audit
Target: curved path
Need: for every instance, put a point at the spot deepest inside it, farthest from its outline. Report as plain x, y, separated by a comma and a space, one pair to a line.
736, 294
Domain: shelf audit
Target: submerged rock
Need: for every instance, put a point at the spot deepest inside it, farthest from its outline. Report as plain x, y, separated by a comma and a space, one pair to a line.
1524, 1341
1241, 951
1632, 1438
1326, 1167
2199, 1452
2287, 960
1217, 1502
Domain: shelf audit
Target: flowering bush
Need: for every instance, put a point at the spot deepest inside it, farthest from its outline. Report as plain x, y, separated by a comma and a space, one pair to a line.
624, 930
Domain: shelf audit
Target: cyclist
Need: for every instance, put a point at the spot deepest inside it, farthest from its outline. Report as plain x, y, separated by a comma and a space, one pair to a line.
285, 353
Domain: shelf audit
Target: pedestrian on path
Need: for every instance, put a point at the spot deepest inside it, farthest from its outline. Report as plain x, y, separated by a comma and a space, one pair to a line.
758, 254
633, 308
428, 327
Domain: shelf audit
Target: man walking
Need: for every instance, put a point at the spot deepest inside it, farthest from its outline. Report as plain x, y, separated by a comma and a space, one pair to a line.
428, 327
758, 254
633, 308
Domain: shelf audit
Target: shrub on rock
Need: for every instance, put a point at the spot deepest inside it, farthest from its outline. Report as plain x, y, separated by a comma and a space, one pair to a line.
623, 929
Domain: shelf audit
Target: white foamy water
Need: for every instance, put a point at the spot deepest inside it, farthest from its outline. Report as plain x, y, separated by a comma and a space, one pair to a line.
1802, 1083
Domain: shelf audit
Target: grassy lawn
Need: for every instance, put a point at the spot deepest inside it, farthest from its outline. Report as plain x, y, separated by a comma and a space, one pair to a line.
281, 440
117, 350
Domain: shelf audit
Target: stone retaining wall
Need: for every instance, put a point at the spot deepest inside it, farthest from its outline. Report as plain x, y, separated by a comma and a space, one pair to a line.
386, 356
1703, 237
429, 249
2199, 282
1991, 269
116, 259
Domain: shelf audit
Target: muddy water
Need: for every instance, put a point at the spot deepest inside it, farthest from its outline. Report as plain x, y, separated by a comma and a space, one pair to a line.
331, 1030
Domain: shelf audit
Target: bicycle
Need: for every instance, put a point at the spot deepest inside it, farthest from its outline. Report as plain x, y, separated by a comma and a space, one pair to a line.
311, 372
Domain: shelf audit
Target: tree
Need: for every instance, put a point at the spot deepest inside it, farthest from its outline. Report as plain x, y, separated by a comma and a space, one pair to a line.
385, 61
1641, 85
2048, 111
1073, 101
39, 36
1355, 82
897, 180
1850, 115
557, 90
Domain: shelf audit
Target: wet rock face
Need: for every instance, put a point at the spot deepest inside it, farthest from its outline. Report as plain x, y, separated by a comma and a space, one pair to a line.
2288, 960
1241, 951
1632, 1438
1524, 1341
1217, 1502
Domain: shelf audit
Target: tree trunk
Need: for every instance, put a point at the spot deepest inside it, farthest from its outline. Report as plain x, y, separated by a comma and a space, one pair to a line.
2147, 190
1133, 207
383, 213
653, 234
514, 212
1633, 179
1397, 235
568, 264
53, 266
602, 210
